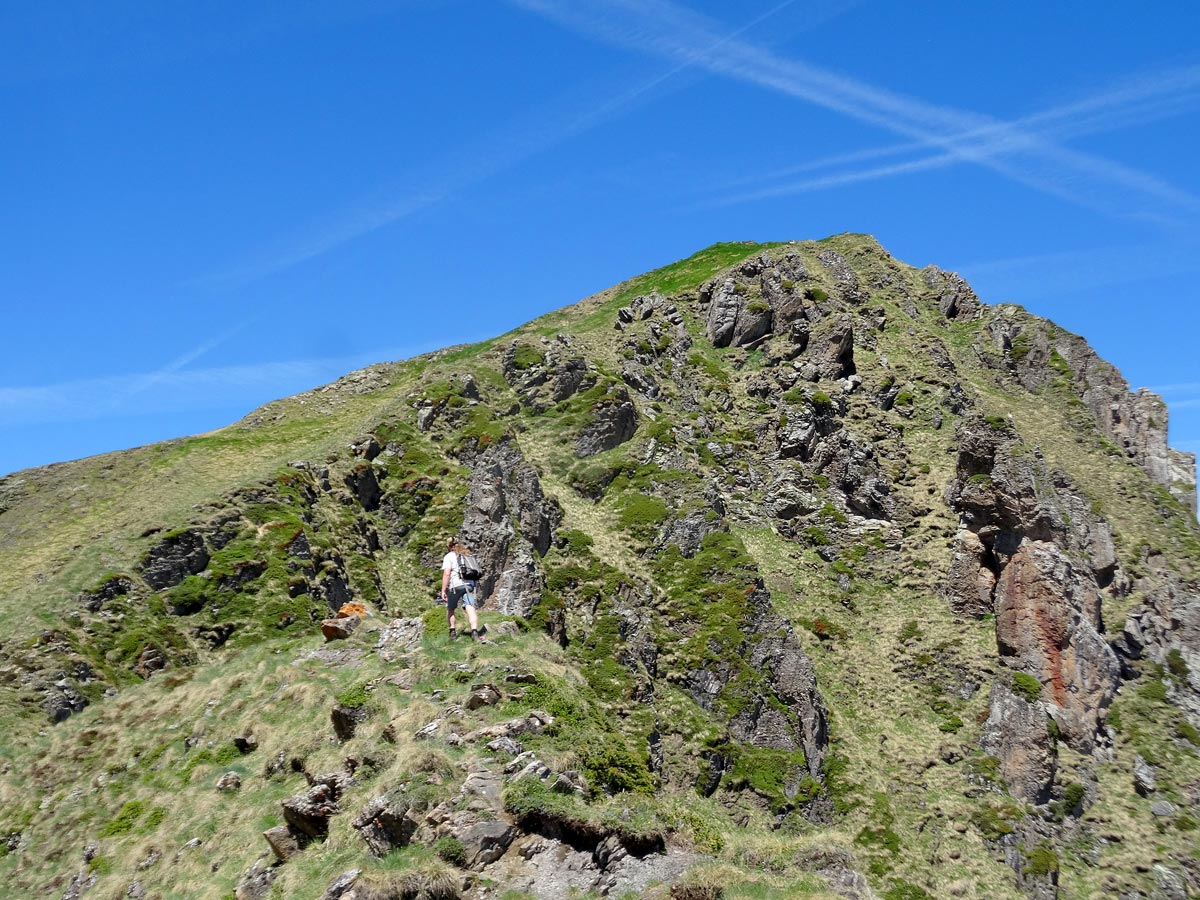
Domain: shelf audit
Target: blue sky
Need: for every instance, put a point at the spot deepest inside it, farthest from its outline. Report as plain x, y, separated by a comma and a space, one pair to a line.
209, 206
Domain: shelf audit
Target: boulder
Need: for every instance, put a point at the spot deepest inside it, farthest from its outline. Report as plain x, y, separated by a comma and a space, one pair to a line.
483, 842
1144, 780
308, 813
342, 886
482, 695
149, 661
229, 783
386, 823
832, 349
256, 883
282, 841
339, 628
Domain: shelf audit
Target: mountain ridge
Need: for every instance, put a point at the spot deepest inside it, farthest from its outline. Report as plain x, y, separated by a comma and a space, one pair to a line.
716, 488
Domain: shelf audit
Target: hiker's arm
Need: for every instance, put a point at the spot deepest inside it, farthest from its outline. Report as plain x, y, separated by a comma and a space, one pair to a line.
445, 581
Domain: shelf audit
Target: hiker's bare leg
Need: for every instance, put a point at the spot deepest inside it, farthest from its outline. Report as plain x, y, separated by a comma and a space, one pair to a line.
472, 618
450, 618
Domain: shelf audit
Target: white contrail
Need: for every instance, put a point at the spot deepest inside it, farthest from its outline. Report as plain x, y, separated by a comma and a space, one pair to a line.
665, 29
521, 140
1139, 101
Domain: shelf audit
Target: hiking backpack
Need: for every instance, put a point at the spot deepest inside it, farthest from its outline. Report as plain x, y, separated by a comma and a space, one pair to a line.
468, 567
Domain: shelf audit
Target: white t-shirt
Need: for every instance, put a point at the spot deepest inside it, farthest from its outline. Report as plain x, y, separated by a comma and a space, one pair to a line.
450, 563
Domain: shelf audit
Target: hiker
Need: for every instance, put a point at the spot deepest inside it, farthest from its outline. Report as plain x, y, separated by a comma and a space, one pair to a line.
456, 589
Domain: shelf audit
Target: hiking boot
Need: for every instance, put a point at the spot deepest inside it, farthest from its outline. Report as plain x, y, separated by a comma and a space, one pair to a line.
474, 634
453, 634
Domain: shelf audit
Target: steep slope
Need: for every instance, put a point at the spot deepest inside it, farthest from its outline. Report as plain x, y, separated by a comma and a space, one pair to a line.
808, 574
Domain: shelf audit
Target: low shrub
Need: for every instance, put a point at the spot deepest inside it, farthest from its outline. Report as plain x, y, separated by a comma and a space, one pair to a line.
451, 850
1027, 687
123, 821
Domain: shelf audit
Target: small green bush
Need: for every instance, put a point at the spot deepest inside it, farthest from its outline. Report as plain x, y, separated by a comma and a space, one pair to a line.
1188, 732
816, 294
1177, 665
101, 865
994, 822
1155, 691
996, 423
910, 631
902, 890
641, 514
705, 836
354, 697
821, 400
1020, 347
981, 478
1027, 687
577, 541
153, 819
526, 357
904, 398
831, 513
951, 725
881, 837
1042, 860
123, 821
816, 536
1073, 794
451, 850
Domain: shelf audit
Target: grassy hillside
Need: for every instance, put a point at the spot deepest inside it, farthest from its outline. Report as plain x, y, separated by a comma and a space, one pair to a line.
719, 520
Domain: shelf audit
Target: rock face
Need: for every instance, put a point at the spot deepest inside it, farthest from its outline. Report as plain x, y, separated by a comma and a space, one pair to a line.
953, 296
1135, 421
509, 523
1016, 733
173, 560
1183, 478
615, 420
1013, 557
1165, 629
802, 723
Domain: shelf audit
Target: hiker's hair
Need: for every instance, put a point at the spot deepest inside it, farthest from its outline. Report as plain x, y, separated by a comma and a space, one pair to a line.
457, 545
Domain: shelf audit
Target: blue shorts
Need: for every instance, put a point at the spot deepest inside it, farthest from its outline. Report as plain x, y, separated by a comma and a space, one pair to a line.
464, 594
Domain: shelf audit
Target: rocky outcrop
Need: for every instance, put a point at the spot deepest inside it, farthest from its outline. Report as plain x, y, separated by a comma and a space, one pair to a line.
307, 814
175, 558
614, 421
509, 523
953, 296
1183, 478
832, 349
386, 823
1165, 629
773, 650
1040, 354
549, 374
1016, 733
849, 288
1016, 555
